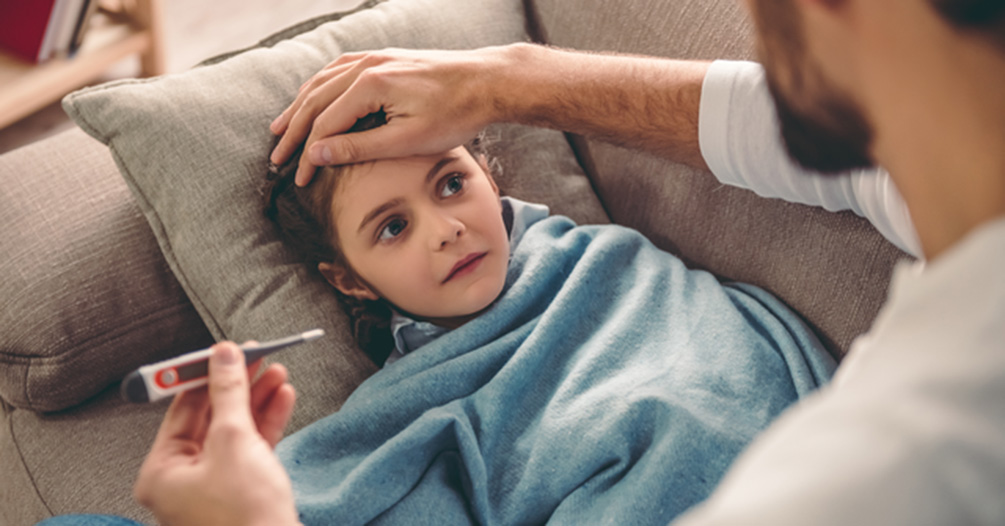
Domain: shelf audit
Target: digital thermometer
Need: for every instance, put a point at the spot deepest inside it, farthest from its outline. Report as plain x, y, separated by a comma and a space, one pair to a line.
160, 380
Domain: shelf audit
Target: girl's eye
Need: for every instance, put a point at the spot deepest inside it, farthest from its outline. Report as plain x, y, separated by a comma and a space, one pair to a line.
454, 184
392, 230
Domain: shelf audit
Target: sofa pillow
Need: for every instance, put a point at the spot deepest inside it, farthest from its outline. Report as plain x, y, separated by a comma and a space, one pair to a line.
85, 289
87, 295
194, 148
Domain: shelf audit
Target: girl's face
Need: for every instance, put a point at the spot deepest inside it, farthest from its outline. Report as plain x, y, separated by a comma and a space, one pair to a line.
424, 233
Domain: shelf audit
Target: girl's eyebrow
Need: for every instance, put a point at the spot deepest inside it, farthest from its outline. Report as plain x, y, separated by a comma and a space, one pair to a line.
376, 212
439, 166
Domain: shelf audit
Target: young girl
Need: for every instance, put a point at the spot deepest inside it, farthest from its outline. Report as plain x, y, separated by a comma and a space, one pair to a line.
535, 371
438, 266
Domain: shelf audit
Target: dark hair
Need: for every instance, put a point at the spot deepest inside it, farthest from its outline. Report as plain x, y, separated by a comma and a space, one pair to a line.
986, 17
303, 218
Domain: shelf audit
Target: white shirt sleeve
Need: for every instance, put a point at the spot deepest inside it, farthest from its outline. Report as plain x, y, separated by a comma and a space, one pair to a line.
740, 140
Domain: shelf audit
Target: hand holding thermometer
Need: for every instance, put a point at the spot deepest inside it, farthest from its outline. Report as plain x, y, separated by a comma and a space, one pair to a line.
161, 380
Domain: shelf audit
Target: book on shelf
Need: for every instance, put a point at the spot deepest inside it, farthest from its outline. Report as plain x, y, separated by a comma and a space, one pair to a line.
37, 30
53, 35
24, 26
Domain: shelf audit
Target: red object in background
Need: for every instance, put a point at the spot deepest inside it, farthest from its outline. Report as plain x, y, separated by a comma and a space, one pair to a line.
23, 24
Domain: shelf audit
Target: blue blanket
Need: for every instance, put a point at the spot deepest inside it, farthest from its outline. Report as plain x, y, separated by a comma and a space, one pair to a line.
609, 384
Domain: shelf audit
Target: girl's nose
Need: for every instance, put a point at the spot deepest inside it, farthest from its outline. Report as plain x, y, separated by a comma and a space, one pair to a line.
448, 230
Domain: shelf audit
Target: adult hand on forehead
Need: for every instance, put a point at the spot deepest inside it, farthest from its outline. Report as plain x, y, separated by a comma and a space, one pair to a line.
433, 101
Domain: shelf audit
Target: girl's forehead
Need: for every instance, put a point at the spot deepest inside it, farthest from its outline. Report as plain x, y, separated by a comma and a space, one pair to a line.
383, 174
364, 186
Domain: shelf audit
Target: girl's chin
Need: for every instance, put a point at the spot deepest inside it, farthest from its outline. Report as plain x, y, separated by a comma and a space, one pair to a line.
474, 303
454, 318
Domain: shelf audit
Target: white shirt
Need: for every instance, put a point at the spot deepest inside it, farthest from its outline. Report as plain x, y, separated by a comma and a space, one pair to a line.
912, 429
740, 141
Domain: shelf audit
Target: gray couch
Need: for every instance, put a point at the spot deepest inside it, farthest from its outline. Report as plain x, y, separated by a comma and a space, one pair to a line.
90, 288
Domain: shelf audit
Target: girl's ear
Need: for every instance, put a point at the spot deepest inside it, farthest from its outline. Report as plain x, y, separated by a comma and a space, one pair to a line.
483, 162
346, 282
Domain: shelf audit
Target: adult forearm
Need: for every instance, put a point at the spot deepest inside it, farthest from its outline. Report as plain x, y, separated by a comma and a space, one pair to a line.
435, 100
646, 103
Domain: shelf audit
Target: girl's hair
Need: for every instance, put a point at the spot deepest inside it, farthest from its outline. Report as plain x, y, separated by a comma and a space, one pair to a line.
303, 217
983, 17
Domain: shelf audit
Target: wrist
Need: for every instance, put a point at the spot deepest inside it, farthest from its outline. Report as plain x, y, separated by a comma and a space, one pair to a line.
511, 82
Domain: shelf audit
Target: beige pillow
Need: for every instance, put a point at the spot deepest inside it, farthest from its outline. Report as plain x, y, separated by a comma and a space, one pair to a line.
193, 148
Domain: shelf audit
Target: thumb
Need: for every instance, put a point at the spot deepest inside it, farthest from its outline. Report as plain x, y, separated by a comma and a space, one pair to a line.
392, 140
229, 388
342, 149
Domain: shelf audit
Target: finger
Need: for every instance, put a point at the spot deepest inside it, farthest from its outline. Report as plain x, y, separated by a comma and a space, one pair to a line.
347, 58
229, 391
254, 367
276, 414
281, 122
325, 124
305, 171
361, 92
315, 95
274, 376
333, 145
347, 67
392, 140
186, 418
263, 399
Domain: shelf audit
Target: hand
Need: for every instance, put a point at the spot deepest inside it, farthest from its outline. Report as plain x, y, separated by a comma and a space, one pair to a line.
212, 461
434, 101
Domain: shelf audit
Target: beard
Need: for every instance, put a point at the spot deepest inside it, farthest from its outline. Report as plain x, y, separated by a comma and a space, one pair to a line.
834, 138
823, 130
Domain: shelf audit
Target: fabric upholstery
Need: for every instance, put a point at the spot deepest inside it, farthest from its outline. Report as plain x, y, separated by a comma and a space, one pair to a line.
194, 147
832, 268
79, 461
86, 294
85, 459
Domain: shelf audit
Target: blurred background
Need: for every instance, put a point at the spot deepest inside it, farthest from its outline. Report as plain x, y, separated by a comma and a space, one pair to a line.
193, 30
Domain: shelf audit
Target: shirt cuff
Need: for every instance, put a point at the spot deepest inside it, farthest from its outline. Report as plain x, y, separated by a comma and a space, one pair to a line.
717, 93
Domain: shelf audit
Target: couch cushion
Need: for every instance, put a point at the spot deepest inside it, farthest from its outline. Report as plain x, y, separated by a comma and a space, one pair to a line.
80, 461
194, 147
89, 296
86, 293
832, 268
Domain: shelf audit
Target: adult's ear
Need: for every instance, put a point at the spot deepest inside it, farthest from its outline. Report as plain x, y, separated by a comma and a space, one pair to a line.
344, 280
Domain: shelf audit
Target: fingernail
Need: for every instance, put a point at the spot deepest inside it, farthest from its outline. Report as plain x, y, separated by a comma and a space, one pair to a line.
226, 354
276, 124
321, 155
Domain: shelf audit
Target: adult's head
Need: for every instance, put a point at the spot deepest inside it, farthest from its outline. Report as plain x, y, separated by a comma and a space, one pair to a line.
917, 86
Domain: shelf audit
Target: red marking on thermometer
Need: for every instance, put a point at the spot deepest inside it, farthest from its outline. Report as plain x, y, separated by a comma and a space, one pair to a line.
161, 380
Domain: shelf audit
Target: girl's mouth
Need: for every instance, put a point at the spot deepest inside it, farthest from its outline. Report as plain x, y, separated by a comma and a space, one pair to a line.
466, 265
